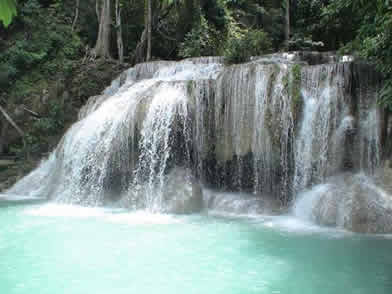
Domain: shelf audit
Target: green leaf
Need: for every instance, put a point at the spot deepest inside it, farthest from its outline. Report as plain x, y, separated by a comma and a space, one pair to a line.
7, 11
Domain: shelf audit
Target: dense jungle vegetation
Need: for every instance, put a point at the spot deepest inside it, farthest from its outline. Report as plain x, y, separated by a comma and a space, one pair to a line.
54, 54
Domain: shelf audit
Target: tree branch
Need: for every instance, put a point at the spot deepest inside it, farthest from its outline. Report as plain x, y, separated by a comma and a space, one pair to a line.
9, 119
76, 14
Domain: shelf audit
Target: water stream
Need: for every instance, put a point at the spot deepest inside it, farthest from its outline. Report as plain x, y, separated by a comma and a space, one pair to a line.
52, 248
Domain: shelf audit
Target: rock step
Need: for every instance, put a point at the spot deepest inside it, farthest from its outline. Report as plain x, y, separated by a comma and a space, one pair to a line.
7, 162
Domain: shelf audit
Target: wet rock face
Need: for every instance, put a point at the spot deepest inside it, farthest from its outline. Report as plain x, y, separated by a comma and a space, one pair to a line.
371, 212
355, 203
311, 57
383, 176
326, 209
182, 193
284, 122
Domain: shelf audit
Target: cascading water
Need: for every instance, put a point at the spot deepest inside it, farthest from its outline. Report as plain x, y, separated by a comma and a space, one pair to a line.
272, 127
94, 152
370, 149
325, 110
155, 146
254, 126
123, 140
338, 135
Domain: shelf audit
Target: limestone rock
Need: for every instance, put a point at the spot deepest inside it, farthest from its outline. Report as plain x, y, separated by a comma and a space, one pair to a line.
354, 203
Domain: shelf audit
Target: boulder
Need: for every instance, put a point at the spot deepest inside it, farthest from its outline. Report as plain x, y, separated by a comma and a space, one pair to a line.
355, 203
6, 163
383, 176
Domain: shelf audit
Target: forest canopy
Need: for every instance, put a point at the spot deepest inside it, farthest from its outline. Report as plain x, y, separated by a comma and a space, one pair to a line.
133, 31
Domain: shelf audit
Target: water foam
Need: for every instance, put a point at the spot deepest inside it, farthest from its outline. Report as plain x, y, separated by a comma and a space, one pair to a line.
116, 215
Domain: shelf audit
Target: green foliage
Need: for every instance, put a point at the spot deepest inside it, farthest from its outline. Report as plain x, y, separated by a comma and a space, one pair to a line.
53, 122
267, 15
41, 36
296, 84
376, 33
38, 137
372, 24
40, 132
7, 11
251, 43
7, 72
38, 50
302, 43
292, 85
306, 27
385, 98
47, 42
200, 41
215, 13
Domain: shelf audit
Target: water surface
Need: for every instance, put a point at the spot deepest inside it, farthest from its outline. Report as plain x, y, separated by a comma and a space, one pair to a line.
50, 248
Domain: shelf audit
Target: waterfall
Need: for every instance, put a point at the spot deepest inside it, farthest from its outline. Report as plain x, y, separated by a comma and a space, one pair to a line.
254, 127
96, 154
329, 123
273, 127
325, 110
340, 135
123, 140
155, 146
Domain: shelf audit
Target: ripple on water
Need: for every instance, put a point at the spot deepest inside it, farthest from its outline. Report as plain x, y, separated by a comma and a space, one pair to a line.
57, 249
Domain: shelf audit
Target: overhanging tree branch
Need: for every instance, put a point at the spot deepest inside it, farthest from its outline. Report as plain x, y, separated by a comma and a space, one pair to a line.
10, 120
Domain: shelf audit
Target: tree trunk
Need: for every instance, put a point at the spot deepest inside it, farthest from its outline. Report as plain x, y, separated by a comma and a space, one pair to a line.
76, 14
287, 24
140, 48
143, 51
120, 46
148, 22
97, 2
196, 12
3, 130
102, 47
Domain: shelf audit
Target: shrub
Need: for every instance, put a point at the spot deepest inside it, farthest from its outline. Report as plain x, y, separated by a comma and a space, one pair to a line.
302, 43
199, 41
251, 43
